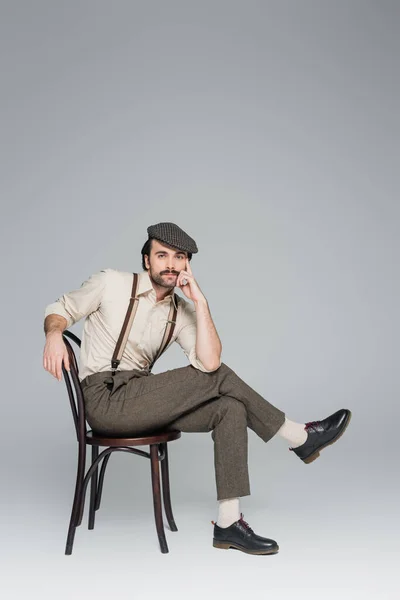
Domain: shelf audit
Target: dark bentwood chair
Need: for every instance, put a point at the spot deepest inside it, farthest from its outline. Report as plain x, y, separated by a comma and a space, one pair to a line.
158, 453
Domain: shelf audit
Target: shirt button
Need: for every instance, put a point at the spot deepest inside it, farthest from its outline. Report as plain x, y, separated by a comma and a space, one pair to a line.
140, 346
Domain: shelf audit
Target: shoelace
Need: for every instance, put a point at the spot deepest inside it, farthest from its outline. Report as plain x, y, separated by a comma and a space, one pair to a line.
245, 523
242, 521
310, 425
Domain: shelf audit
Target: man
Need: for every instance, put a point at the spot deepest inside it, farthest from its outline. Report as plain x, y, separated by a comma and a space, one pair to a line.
204, 396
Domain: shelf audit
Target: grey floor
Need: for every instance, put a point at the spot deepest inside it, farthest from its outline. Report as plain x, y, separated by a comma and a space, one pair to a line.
336, 522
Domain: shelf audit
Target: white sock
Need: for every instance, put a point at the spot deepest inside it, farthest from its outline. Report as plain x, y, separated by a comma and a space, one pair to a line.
228, 512
293, 432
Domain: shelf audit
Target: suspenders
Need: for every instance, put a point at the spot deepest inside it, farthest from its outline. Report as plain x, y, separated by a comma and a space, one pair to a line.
127, 325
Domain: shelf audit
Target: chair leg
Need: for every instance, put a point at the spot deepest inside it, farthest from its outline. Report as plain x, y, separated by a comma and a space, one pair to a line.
166, 489
78, 497
93, 489
155, 480
101, 480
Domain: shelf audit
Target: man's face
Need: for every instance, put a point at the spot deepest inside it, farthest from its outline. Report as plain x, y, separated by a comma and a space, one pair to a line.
165, 264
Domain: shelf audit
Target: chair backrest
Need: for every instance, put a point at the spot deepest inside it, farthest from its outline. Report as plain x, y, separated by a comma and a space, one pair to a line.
74, 388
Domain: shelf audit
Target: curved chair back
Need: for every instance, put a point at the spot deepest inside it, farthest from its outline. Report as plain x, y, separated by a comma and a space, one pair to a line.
74, 388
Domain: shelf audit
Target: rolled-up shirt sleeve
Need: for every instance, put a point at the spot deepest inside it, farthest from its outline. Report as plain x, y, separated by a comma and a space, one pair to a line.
79, 303
186, 337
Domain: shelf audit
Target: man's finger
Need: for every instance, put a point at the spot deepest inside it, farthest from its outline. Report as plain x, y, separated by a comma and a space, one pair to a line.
188, 267
185, 275
59, 369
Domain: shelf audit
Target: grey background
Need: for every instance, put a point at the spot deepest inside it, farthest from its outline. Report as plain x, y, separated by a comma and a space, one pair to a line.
269, 132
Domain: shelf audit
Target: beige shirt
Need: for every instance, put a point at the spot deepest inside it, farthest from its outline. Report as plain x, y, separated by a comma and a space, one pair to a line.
103, 299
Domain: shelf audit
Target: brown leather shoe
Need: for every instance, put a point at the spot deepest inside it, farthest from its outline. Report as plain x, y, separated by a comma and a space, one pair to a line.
240, 536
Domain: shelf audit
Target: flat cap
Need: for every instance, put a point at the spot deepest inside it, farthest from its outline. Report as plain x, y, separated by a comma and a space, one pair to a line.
172, 235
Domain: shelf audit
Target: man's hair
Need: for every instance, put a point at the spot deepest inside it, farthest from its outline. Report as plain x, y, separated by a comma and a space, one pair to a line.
147, 249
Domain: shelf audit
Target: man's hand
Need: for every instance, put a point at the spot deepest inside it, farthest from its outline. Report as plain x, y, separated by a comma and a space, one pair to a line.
55, 351
191, 289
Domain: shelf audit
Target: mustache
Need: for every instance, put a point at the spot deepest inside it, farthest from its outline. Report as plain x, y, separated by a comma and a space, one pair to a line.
169, 273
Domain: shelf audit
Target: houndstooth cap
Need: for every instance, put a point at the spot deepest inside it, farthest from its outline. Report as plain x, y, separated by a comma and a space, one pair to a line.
173, 235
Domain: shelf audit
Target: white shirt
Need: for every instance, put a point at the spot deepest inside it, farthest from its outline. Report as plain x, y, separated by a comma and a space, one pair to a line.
103, 299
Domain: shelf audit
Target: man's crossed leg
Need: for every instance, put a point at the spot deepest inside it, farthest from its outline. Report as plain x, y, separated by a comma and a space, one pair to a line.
221, 402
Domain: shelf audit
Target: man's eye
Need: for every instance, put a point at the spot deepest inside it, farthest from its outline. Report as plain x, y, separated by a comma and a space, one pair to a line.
162, 256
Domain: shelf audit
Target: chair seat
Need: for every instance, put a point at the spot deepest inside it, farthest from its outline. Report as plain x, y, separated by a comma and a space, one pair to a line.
98, 439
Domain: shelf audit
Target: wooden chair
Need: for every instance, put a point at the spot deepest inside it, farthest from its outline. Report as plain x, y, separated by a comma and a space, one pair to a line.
158, 453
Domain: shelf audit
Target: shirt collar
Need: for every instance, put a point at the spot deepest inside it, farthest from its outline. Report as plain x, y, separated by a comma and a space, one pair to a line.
145, 285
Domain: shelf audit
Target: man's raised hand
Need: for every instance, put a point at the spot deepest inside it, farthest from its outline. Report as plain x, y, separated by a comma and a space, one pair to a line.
191, 289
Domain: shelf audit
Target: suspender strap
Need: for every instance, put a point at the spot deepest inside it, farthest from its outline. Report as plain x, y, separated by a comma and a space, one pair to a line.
127, 325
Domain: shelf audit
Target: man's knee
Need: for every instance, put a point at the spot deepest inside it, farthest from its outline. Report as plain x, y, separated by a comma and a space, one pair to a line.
232, 406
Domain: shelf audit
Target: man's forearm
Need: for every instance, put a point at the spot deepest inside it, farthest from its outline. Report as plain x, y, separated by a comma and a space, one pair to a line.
54, 323
208, 343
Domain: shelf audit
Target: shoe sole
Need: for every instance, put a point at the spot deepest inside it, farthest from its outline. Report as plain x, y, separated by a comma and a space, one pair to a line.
227, 545
315, 454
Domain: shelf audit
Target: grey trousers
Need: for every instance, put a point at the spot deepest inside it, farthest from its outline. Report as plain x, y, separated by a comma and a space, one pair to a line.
189, 400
